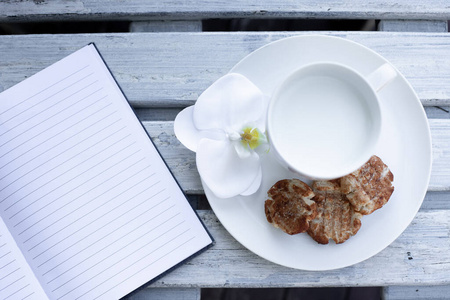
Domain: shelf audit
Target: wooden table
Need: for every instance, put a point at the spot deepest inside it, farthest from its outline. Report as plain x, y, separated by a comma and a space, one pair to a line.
166, 61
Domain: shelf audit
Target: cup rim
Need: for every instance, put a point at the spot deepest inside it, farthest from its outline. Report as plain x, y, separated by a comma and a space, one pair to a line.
362, 159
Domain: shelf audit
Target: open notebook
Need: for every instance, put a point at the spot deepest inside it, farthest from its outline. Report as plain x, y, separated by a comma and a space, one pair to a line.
88, 208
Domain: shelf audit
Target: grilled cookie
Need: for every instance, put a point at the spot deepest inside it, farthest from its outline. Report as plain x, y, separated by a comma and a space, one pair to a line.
369, 187
336, 219
289, 206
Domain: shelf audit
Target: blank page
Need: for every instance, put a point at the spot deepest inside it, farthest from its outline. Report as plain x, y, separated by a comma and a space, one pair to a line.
91, 204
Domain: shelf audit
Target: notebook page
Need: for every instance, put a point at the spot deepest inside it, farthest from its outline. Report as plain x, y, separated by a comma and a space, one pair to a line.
83, 191
17, 281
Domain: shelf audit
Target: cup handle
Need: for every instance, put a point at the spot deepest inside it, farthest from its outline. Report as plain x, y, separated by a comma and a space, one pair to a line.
379, 78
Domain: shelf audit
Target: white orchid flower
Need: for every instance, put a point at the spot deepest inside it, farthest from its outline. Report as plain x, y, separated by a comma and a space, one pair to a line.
226, 129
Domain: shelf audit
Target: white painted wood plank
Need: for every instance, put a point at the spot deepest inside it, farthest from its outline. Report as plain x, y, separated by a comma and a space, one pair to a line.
182, 161
19, 10
172, 69
440, 173
414, 25
165, 294
417, 292
166, 26
419, 256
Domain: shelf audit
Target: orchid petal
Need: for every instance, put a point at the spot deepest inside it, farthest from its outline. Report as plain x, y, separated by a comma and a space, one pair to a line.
223, 171
188, 134
242, 150
254, 186
230, 103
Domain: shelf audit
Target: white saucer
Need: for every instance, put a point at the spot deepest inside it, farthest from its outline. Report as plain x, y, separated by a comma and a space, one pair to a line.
405, 147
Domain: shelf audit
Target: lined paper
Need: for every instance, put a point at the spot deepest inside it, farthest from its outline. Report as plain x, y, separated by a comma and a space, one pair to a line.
17, 281
90, 203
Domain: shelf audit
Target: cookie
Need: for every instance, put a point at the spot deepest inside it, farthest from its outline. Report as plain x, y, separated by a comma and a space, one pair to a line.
369, 187
289, 206
336, 219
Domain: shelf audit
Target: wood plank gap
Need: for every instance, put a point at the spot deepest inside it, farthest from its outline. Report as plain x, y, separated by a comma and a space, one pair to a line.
166, 26
57, 10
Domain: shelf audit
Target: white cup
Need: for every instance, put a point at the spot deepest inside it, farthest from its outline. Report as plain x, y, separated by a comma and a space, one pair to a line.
324, 120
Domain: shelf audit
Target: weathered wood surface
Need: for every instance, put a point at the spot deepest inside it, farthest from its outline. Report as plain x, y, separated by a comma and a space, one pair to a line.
172, 69
414, 25
182, 161
165, 294
417, 293
19, 10
419, 256
440, 173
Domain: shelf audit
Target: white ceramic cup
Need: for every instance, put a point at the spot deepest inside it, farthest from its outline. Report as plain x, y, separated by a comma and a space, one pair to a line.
324, 120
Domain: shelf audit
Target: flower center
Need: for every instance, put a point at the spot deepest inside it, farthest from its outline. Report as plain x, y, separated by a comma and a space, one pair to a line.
252, 137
